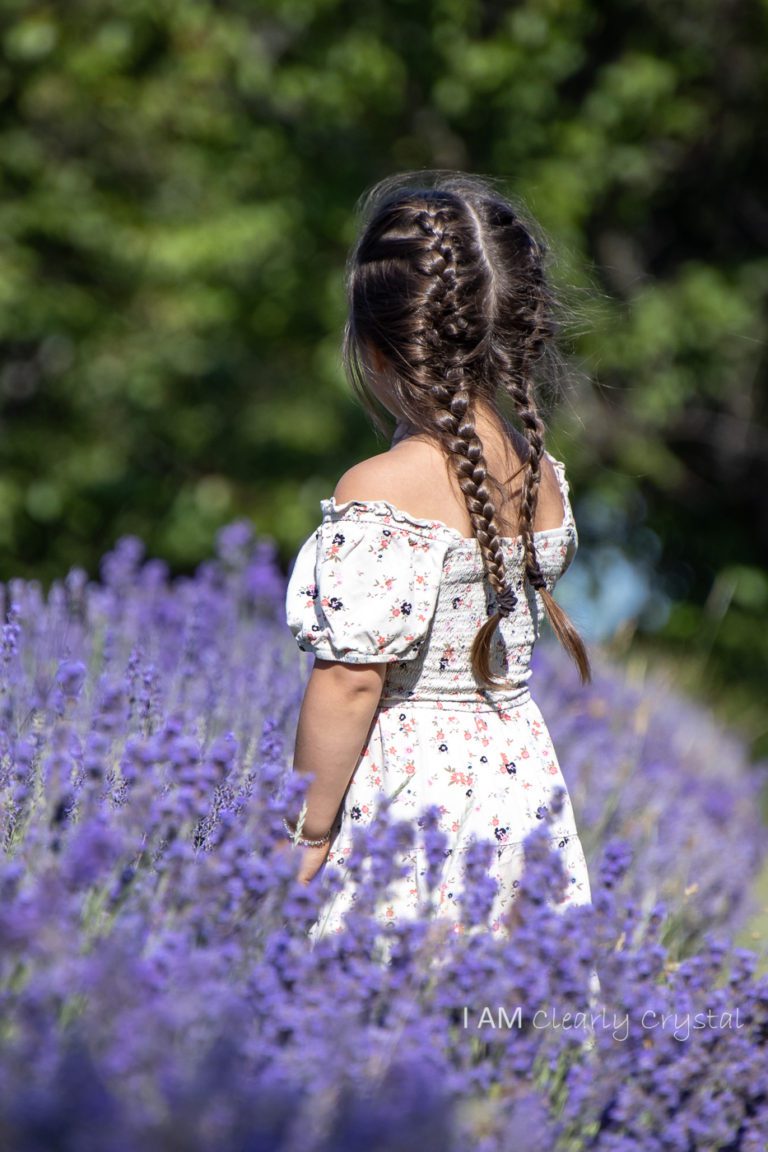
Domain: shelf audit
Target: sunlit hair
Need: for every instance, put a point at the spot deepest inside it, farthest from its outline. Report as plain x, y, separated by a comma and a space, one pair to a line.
447, 283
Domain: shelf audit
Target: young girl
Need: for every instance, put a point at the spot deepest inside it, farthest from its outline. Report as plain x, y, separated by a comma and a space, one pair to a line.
422, 591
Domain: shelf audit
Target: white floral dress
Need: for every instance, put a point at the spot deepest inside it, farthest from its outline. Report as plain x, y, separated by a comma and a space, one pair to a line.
374, 584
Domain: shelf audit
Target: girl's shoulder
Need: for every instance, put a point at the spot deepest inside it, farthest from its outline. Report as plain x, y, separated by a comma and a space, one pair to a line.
384, 477
410, 485
408, 482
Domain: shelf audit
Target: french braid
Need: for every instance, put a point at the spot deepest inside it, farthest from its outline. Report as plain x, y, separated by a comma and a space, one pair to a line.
445, 326
448, 284
517, 358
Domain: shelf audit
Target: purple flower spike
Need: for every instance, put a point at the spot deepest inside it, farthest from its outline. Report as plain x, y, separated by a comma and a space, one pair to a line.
163, 980
70, 677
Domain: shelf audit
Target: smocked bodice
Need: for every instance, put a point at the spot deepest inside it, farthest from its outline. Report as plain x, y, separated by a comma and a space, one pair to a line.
464, 601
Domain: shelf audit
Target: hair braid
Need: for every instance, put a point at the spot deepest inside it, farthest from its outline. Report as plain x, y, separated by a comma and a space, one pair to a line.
447, 283
453, 400
534, 329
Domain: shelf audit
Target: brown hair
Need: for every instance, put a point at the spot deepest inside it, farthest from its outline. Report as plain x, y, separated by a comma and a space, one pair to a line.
447, 283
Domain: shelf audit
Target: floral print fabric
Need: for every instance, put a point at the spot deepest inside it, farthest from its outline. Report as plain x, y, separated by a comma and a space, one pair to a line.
364, 590
374, 584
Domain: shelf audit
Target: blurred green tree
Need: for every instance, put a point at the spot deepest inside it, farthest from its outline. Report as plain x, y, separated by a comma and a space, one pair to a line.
177, 181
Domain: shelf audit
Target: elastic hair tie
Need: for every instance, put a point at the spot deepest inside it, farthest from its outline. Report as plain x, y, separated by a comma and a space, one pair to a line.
507, 601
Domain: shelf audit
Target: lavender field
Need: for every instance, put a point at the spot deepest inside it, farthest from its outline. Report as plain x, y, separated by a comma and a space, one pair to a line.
157, 986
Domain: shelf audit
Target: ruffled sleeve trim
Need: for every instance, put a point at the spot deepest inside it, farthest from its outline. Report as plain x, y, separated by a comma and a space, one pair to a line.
364, 587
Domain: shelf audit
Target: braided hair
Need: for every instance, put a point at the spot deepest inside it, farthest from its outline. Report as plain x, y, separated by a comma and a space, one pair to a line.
447, 284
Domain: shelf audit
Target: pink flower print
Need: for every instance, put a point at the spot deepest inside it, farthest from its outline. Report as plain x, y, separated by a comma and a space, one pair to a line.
311, 595
464, 778
410, 768
525, 753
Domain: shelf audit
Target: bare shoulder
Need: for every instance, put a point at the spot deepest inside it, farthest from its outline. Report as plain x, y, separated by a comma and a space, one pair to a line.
396, 475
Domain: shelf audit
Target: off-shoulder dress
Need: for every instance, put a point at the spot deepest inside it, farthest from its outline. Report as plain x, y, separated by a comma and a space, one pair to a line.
374, 584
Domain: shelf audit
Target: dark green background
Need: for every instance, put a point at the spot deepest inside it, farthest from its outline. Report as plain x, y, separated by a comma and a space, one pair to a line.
177, 184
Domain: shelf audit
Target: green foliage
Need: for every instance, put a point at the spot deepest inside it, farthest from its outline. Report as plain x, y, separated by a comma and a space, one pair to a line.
177, 182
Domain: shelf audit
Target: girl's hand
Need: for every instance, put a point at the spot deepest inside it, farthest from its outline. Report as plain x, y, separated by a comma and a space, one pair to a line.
310, 860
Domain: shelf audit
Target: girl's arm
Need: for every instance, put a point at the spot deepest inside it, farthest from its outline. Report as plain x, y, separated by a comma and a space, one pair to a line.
340, 699
336, 714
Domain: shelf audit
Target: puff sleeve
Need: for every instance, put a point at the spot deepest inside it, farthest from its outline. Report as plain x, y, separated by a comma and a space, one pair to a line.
364, 590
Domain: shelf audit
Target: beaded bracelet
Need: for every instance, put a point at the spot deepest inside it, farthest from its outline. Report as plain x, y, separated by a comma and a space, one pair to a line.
302, 841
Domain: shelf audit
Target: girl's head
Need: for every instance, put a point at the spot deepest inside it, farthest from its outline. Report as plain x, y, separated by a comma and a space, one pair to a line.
449, 306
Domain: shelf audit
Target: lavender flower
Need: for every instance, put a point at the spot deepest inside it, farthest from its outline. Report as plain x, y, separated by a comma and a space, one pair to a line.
159, 985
